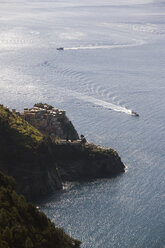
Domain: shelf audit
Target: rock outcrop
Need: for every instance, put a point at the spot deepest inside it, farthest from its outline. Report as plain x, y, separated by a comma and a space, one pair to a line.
86, 161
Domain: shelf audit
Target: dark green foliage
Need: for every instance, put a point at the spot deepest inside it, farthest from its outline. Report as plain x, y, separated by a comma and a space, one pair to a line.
21, 146
18, 139
4, 181
23, 225
85, 161
14, 127
78, 150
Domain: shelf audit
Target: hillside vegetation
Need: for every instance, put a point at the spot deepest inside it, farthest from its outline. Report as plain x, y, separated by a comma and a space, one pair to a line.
27, 155
18, 129
86, 161
22, 225
19, 140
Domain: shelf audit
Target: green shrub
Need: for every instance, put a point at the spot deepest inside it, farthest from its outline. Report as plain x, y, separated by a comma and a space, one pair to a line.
23, 225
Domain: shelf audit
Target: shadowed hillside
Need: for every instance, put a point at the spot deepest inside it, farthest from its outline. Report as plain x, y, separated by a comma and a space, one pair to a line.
23, 225
40, 165
27, 155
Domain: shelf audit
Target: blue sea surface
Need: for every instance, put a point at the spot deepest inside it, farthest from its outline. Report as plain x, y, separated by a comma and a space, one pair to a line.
113, 62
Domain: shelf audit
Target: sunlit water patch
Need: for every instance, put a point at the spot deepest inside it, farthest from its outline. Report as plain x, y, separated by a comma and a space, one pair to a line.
112, 62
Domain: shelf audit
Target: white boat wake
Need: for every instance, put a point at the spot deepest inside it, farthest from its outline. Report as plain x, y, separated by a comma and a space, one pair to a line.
136, 43
96, 101
104, 104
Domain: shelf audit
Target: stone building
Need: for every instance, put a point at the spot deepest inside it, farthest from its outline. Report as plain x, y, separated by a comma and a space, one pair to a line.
50, 121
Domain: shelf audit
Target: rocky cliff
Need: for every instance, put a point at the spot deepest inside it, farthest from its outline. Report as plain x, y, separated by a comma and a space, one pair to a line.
40, 165
77, 161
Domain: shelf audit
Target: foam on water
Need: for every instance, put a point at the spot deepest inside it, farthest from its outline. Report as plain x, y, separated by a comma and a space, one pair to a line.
98, 102
136, 43
103, 104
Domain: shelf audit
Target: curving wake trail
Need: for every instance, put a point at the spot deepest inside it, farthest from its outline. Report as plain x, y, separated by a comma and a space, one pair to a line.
105, 104
136, 43
96, 101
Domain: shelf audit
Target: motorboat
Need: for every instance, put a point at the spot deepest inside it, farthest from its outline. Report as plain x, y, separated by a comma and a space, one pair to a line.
134, 113
60, 48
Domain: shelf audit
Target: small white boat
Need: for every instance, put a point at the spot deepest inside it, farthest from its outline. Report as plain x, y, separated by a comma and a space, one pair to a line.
60, 48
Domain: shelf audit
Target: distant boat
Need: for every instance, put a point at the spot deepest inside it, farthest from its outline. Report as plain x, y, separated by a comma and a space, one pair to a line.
134, 113
60, 48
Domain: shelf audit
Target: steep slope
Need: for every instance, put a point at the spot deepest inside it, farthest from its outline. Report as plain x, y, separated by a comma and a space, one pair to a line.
83, 161
23, 225
27, 155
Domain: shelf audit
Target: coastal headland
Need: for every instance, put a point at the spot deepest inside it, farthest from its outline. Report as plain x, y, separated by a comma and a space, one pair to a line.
41, 149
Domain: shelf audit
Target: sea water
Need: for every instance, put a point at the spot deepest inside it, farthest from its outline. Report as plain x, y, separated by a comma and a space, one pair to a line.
113, 62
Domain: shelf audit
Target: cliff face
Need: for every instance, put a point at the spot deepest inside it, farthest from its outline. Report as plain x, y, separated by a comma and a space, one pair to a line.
40, 165
86, 161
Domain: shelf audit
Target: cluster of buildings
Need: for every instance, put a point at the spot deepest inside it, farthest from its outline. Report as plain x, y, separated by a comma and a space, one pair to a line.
51, 121
47, 120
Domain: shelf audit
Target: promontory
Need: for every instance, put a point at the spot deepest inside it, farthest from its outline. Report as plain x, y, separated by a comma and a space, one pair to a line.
41, 149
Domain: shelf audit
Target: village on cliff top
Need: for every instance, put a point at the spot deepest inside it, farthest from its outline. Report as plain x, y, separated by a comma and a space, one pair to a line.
50, 121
